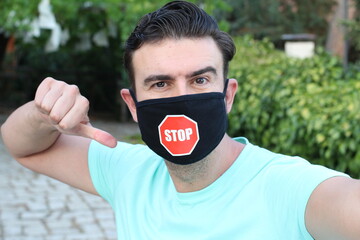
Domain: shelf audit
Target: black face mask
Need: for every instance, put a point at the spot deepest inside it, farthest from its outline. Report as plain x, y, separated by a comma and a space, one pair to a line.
183, 129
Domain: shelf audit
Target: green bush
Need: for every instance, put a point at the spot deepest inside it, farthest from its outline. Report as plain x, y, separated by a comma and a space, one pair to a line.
98, 71
308, 108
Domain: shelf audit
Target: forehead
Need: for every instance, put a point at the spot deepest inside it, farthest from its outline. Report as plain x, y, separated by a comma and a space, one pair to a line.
176, 57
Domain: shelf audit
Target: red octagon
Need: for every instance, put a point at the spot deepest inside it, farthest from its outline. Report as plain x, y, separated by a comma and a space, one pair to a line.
178, 134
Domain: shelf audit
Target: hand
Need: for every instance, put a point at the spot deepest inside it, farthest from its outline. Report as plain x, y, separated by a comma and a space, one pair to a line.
63, 107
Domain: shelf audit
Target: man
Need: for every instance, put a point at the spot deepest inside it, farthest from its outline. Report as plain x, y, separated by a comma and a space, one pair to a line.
192, 181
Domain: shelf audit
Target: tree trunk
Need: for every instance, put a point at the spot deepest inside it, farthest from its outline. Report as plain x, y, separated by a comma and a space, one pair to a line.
336, 42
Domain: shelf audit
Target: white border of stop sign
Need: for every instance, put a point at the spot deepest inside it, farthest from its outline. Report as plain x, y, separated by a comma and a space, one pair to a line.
161, 135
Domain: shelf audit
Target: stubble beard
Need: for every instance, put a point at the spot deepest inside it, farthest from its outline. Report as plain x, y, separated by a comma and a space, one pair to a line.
189, 173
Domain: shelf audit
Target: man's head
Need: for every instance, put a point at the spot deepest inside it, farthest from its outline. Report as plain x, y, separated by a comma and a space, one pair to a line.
176, 20
178, 58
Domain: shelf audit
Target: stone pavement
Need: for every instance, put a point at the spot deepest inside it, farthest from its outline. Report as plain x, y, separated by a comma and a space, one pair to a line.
35, 207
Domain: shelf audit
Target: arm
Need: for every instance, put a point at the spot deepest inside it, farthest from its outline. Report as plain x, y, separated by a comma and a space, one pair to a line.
333, 210
51, 134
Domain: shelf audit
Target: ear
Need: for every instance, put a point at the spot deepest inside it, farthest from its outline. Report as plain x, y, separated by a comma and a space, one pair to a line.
230, 94
126, 96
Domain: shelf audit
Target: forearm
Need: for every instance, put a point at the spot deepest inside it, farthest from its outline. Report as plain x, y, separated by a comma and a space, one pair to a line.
26, 133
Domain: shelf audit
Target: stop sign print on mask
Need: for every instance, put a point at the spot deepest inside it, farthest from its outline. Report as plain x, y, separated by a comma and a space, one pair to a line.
178, 134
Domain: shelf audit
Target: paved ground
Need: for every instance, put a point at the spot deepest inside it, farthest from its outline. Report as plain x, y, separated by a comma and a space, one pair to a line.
35, 207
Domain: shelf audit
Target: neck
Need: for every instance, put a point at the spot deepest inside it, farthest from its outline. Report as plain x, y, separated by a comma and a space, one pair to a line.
196, 176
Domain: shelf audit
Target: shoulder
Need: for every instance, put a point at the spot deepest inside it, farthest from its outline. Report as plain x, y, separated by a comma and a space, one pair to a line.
122, 151
292, 186
283, 177
282, 165
108, 167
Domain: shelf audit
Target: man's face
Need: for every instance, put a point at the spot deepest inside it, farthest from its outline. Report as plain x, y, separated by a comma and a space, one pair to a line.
177, 67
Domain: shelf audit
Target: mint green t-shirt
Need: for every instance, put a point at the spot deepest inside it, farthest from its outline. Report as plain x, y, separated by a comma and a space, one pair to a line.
263, 195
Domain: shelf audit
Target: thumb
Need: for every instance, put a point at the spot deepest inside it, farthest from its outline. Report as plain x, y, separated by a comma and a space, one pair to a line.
98, 135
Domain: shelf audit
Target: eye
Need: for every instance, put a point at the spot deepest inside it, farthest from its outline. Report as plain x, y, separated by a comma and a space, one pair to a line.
201, 80
160, 84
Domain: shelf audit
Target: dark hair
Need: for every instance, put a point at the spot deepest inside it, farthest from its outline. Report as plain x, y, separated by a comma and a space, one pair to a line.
177, 19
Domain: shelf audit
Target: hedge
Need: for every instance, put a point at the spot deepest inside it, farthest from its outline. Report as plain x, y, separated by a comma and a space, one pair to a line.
309, 108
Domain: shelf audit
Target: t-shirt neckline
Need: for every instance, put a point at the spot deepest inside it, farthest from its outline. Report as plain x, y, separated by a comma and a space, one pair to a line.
221, 184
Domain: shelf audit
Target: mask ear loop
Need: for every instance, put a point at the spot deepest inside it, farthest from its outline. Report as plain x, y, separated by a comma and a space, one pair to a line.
132, 93
226, 86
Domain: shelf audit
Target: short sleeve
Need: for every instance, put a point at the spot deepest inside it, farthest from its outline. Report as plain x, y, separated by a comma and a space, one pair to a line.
291, 183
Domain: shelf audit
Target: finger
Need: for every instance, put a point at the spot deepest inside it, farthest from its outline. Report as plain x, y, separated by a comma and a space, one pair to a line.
42, 89
77, 114
51, 96
62, 106
96, 134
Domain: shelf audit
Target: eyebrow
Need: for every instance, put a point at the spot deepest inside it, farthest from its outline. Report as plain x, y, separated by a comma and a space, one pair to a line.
202, 71
153, 78
162, 77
